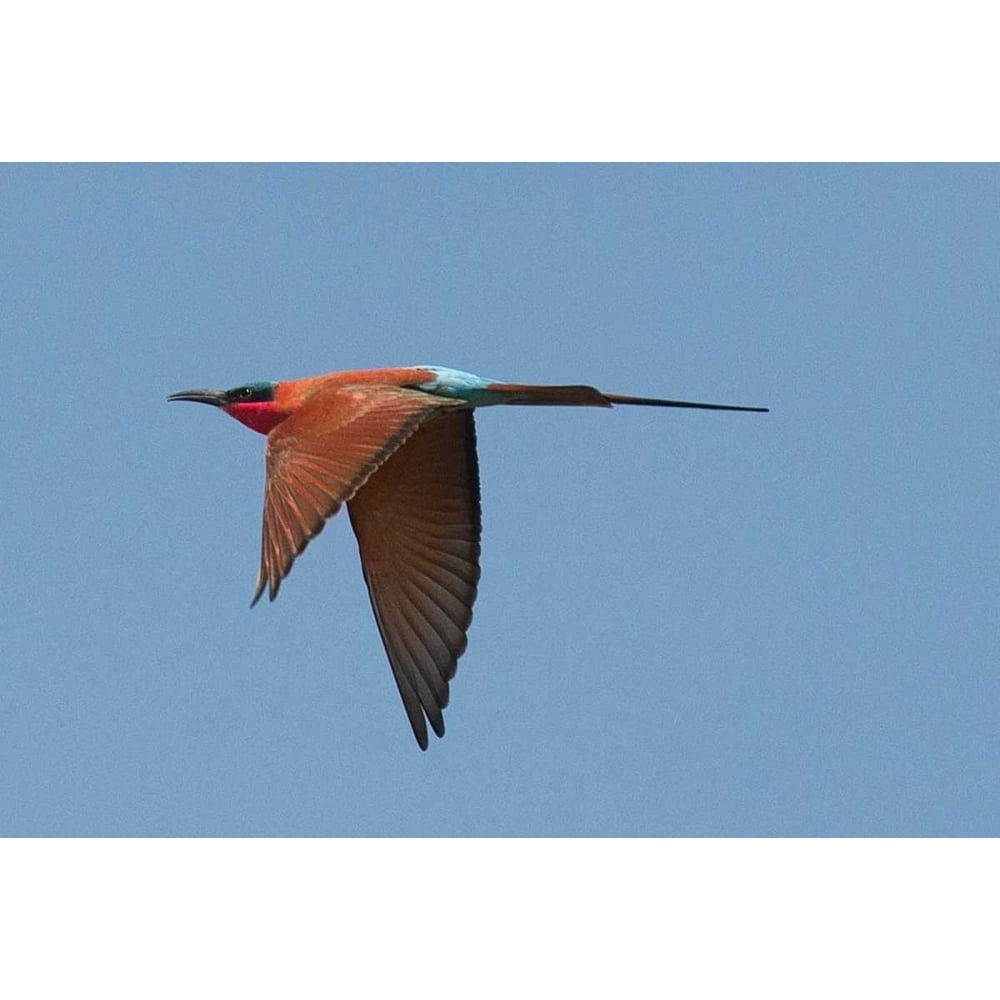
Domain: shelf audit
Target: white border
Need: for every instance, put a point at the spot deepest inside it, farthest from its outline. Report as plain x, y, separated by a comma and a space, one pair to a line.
538, 81
460, 918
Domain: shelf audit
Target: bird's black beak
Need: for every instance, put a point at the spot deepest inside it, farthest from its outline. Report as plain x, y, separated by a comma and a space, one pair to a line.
214, 397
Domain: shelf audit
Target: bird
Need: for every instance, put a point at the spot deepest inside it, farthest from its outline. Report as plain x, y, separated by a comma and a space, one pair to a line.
398, 447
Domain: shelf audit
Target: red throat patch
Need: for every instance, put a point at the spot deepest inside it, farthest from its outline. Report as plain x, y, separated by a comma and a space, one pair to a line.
260, 417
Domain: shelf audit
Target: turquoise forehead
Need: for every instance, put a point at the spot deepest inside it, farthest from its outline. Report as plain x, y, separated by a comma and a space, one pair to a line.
264, 385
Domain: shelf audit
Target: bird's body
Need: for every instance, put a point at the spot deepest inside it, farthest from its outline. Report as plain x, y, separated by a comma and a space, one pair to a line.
398, 446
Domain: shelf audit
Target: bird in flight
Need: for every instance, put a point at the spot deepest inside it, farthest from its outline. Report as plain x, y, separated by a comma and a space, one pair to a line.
398, 446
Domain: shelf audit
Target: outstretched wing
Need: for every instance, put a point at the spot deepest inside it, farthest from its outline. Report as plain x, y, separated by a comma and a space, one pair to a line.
418, 523
321, 455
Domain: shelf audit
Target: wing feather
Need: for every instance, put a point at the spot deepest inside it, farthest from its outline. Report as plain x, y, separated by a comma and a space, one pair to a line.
418, 524
321, 455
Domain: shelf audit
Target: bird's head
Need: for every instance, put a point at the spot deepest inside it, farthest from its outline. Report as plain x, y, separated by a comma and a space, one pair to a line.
255, 404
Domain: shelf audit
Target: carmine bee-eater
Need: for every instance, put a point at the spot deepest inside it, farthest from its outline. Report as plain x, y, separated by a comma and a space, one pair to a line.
398, 446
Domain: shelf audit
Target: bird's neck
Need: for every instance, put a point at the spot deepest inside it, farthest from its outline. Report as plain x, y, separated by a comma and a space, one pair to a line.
260, 417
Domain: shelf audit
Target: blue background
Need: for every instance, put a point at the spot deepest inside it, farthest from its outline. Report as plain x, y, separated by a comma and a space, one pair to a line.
689, 623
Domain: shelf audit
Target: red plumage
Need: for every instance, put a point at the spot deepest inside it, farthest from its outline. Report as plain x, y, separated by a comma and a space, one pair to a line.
398, 446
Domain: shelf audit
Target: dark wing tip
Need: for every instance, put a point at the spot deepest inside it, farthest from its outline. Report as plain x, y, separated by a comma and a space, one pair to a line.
261, 587
437, 724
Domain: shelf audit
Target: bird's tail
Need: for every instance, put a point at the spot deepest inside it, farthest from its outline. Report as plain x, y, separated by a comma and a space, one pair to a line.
586, 395
549, 395
646, 401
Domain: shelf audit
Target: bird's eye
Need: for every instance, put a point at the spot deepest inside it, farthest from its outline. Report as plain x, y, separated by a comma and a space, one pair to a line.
246, 392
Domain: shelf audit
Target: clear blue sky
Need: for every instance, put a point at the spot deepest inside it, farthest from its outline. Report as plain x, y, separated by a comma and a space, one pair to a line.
689, 623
